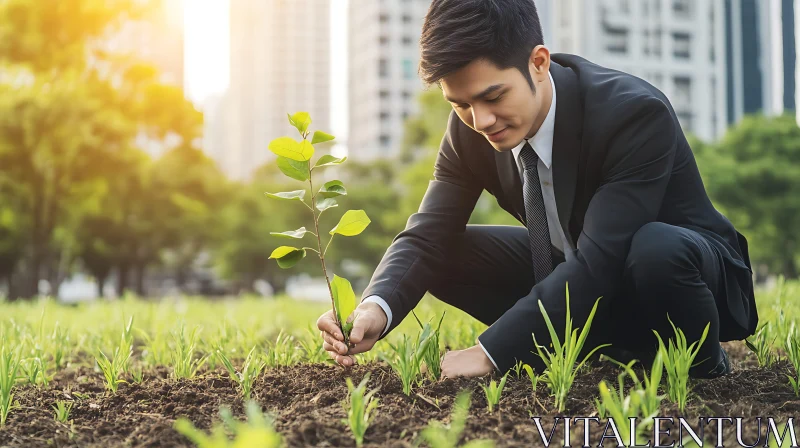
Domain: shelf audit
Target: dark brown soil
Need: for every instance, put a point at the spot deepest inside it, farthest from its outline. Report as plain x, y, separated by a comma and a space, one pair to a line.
306, 401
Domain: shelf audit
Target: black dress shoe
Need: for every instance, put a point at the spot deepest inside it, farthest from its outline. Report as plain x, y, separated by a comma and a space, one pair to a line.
722, 368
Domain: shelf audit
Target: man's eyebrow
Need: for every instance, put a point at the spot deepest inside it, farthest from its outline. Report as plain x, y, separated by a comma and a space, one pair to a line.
481, 95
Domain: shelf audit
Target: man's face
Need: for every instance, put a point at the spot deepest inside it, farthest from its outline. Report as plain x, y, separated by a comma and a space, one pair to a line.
500, 102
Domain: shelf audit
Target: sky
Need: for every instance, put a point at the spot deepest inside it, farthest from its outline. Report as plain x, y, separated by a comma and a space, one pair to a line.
207, 48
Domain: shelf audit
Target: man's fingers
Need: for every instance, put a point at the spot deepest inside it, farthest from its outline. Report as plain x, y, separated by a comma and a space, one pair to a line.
327, 324
334, 345
342, 360
360, 348
357, 334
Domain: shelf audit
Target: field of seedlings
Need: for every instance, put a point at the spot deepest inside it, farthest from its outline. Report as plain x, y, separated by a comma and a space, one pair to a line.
251, 372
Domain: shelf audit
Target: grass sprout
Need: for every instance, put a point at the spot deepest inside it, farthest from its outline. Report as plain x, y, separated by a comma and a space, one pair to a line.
360, 406
252, 367
493, 392
62, 409
439, 435
561, 368
256, 432
9, 364
678, 358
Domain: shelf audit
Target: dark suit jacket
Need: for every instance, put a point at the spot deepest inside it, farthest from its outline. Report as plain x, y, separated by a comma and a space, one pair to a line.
620, 161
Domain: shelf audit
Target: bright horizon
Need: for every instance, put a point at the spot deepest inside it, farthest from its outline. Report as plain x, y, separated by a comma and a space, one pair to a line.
207, 55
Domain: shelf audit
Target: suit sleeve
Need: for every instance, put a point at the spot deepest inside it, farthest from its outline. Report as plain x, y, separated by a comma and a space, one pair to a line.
416, 254
636, 171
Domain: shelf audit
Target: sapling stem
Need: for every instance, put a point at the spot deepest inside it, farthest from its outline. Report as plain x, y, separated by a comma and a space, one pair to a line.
319, 245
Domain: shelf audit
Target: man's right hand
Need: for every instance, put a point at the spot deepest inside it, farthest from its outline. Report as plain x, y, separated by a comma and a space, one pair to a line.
369, 321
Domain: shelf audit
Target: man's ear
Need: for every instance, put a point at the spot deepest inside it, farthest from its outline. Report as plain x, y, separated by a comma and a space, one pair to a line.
539, 62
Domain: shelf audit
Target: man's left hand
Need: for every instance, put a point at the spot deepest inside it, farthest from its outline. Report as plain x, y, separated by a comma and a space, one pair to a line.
469, 363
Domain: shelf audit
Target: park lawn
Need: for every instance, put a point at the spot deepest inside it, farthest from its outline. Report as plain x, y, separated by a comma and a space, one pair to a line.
173, 372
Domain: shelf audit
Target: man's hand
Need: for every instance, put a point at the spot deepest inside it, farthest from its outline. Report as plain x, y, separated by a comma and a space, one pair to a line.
470, 363
369, 321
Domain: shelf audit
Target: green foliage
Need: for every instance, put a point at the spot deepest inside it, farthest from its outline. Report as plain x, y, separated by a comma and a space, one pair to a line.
359, 407
257, 432
439, 435
62, 410
406, 359
9, 364
493, 392
432, 355
252, 367
560, 363
753, 177
792, 346
678, 360
184, 362
762, 345
352, 223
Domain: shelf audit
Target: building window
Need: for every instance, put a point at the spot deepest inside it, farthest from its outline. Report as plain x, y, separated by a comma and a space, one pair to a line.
406, 94
384, 40
616, 40
682, 43
408, 69
383, 18
406, 18
385, 140
383, 94
624, 6
686, 120
682, 8
383, 68
384, 116
683, 91
405, 114
407, 40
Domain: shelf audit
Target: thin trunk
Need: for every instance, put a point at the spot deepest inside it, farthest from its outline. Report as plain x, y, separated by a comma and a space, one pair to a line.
140, 268
122, 278
101, 281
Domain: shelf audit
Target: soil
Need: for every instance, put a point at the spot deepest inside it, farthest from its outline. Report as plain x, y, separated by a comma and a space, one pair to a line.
306, 403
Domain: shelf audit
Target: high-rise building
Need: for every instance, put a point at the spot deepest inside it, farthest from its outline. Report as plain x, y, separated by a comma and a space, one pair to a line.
280, 63
383, 56
676, 45
761, 48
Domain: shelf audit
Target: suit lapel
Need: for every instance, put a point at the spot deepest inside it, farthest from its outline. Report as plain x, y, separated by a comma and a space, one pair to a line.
566, 142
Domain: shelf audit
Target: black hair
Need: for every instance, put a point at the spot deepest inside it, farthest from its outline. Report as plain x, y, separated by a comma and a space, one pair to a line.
456, 32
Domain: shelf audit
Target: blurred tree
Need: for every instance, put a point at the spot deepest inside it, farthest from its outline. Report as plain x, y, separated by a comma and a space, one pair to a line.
753, 177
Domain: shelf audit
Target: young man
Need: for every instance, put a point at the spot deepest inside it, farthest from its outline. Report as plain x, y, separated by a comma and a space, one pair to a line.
594, 162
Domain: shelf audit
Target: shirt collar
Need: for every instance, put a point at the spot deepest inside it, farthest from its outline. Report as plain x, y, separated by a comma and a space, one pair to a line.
542, 141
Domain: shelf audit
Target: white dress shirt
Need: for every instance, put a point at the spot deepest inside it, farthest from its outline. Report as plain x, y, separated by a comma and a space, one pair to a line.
542, 143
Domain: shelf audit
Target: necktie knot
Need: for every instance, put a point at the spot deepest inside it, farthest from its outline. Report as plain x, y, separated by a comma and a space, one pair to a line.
529, 157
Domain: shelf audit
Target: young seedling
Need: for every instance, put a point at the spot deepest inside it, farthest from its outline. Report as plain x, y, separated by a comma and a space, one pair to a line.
432, 355
531, 376
493, 392
560, 365
312, 346
251, 368
763, 344
406, 359
9, 364
294, 160
642, 400
439, 435
678, 360
793, 352
257, 432
112, 368
184, 364
359, 407
62, 410
282, 352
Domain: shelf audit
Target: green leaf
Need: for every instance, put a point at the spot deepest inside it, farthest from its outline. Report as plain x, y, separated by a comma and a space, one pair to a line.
288, 256
321, 137
292, 149
328, 160
300, 120
293, 168
288, 195
352, 223
292, 234
326, 203
344, 299
332, 189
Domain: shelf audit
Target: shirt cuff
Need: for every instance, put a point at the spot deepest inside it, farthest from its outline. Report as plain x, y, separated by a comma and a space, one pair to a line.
385, 307
488, 355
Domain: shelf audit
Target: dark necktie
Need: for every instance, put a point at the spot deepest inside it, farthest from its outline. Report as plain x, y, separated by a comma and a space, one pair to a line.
535, 215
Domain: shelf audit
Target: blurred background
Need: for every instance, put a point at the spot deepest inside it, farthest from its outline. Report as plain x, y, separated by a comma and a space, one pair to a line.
134, 133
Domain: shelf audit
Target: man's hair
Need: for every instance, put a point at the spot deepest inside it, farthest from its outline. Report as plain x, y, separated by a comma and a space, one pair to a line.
456, 32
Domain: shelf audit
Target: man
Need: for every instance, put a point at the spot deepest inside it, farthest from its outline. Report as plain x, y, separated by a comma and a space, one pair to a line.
594, 162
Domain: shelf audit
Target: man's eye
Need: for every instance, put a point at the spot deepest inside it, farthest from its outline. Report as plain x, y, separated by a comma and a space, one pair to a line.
494, 100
